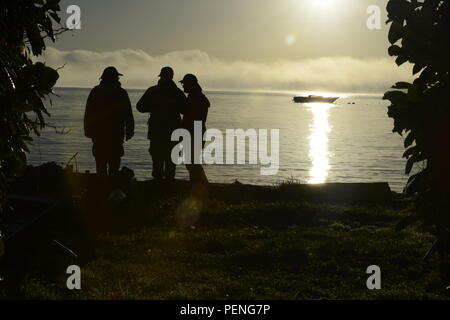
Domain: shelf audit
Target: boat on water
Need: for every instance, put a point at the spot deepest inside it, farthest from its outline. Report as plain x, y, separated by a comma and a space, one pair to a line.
315, 99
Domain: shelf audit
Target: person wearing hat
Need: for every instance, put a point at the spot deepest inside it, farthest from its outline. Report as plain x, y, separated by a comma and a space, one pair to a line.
165, 102
108, 120
196, 110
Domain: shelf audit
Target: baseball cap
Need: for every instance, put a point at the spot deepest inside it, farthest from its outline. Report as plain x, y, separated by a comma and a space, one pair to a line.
189, 78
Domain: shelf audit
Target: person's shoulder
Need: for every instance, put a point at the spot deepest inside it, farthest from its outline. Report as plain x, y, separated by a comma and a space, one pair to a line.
205, 100
94, 91
173, 86
123, 91
153, 89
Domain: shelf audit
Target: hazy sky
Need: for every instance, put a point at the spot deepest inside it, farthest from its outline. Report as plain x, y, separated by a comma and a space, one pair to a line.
230, 44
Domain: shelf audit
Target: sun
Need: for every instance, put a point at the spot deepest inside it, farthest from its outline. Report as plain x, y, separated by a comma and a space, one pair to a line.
323, 4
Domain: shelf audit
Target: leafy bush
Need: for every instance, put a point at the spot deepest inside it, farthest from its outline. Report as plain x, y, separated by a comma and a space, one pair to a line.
420, 34
24, 26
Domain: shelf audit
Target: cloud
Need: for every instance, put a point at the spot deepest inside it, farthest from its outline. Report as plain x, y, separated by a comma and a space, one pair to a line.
339, 74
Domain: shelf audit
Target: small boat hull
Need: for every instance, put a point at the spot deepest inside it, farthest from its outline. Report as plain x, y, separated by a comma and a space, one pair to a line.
315, 99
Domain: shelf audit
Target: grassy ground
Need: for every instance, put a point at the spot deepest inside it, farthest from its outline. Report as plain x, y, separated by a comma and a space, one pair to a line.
255, 250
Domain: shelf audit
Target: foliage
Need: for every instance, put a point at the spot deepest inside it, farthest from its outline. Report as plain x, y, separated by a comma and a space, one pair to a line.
420, 34
24, 84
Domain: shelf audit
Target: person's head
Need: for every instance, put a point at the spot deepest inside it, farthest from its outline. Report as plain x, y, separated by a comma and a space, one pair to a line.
166, 74
190, 83
110, 74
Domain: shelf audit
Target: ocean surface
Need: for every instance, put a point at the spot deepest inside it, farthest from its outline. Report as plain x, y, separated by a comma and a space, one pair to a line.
342, 142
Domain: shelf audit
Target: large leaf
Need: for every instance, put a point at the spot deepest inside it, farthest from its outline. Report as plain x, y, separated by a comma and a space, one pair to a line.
417, 68
402, 85
409, 139
412, 160
396, 32
401, 60
396, 96
414, 93
394, 50
411, 151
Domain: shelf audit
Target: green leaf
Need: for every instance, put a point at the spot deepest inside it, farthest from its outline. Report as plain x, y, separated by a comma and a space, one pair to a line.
402, 85
401, 60
412, 160
25, 107
395, 96
411, 151
417, 68
394, 50
409, 139
414, 93
396, 32
417, 182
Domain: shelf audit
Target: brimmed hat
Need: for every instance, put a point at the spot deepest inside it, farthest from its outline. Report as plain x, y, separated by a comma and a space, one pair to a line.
110, 72
166, 71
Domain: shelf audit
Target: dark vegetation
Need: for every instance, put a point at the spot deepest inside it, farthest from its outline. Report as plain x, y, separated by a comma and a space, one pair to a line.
24, 84
420, 35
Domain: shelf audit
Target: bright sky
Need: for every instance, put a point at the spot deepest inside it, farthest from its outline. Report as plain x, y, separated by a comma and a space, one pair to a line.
291, 37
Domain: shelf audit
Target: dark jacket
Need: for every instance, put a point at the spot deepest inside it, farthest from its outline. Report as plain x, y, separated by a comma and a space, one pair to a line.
196, 110
108, 115
165, 102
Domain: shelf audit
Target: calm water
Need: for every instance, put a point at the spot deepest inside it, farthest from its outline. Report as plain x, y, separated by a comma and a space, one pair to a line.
318, 142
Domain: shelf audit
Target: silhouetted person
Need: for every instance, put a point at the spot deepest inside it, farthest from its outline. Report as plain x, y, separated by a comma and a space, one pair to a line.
165, 102
196, 110
108, 119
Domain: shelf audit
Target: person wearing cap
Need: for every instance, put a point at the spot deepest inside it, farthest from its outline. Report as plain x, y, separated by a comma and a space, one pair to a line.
196, 110
108, 120
165, 102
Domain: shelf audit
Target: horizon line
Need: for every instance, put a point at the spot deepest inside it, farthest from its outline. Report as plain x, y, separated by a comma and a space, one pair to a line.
268, 91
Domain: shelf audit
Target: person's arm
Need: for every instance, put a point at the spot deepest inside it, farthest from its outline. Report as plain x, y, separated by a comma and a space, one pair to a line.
203, 110
88, 116
145, 103
181, 102
129, 119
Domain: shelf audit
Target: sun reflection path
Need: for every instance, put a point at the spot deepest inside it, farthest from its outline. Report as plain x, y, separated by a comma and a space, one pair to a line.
318, 142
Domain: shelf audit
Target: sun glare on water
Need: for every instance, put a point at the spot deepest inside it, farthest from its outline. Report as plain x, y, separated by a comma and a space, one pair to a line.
318, 142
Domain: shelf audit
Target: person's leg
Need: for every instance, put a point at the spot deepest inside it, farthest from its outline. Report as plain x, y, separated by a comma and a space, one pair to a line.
169, 166
100, 165
201, 175
99, 156
114, 166
201, 172
157, 158
196, 172
190, 169
115, 153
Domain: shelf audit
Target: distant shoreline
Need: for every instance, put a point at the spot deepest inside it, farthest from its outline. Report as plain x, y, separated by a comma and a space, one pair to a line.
263, 92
